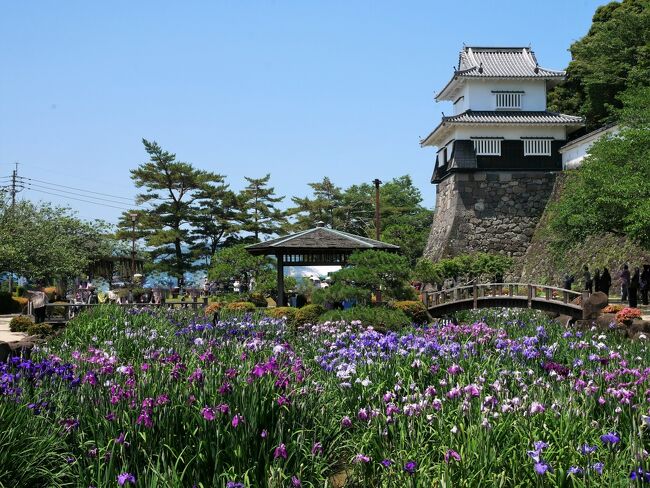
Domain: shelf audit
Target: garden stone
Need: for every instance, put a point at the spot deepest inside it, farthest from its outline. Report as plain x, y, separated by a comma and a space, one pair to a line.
17, 348
594, 304
604, 321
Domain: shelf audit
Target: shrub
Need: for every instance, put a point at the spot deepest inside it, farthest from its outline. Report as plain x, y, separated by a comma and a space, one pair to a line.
308, 314
279, 312
258, 299
414, 310
381, 318
240, 307
39, 330
213, 307
50, 291
20, 323
628, 314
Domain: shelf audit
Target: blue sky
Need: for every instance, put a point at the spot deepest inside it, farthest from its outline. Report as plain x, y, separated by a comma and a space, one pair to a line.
298, 89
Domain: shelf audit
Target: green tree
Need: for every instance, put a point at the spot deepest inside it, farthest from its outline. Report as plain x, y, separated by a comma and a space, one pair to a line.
365, 272
171, 189
610, 192
216, 220
259, 214
479, 266
42, 242
613, 57
325, 206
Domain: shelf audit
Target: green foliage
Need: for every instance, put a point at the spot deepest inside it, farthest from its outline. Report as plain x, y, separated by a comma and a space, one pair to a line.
258, 299
43, 243
404, 221
20, 323
610, 192
381, 318
369, 270
240, 307
613, 57
279, 312
173, 191
236, 263
414, 310
308, 314
42, 330
478, 265
259, 214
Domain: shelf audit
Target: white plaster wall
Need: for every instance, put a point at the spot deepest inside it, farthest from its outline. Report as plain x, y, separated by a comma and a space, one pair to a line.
510, 132
463, 104
480, 94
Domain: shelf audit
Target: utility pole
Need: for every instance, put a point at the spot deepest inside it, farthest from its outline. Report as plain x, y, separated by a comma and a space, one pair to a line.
134, 218
14, 190
377, 182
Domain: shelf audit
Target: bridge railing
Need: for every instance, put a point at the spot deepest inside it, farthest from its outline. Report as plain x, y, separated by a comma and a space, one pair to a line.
477, 291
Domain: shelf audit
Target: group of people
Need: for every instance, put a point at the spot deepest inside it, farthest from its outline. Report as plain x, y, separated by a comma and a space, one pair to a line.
633, 285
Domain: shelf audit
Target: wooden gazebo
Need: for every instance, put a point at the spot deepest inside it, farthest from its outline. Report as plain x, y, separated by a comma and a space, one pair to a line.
319, 246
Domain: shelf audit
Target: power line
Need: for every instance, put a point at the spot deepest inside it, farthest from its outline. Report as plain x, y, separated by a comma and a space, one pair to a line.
78, 189
80, 199
32, 185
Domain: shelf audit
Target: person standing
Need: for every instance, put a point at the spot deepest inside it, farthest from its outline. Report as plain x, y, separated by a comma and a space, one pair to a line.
586, 276
39, 300
568, 281
605, 281
645, 283
634, 287
597, 281
625, 283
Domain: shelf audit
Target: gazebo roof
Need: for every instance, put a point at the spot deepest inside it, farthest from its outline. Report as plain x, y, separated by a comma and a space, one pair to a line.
318, 239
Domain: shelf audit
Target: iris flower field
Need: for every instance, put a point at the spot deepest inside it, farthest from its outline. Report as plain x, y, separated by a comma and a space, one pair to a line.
166, 399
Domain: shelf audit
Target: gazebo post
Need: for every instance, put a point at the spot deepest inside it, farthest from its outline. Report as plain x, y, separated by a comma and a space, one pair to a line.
280, 300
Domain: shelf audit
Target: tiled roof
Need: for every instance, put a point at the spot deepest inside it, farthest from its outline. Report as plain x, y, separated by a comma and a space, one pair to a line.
502, 62
318, 238
512, 117
477, 117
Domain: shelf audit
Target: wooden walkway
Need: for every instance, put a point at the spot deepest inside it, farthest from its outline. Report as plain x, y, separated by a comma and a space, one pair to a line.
510, 295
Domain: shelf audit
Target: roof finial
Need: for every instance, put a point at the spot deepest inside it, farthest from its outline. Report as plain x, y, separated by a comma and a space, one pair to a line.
320, 223
536, 68
480, 68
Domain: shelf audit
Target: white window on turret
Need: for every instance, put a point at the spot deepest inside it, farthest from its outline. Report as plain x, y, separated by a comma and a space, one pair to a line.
537, 147
508, 100
487, 146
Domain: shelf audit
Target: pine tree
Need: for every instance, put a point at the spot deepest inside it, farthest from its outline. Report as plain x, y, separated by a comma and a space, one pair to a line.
170, 189
259, 215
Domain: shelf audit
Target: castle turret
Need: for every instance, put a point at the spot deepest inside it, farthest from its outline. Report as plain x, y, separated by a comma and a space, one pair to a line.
497, 155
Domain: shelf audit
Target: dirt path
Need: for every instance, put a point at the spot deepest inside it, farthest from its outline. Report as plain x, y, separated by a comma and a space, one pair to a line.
5, 334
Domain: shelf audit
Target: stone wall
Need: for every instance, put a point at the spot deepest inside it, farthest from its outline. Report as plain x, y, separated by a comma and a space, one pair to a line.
490, 211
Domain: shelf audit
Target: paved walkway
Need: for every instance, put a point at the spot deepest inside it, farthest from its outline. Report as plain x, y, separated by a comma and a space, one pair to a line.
5, 334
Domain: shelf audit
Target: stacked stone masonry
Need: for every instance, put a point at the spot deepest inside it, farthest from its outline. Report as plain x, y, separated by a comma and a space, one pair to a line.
489, 211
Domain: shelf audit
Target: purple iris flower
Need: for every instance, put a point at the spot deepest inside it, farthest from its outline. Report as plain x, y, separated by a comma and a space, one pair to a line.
295, 481
234, 484
610, 438
317, 449
598, 467
587, 449
386, 463
575, 471
280, 451
346, 422
451, 455
410, 467
124, 478
542, 467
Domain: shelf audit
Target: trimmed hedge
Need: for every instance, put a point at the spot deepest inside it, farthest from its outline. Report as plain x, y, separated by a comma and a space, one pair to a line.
240, 307
40, 330
213, 307
279, 312
21, 323
414, 310
380, 318
308, 314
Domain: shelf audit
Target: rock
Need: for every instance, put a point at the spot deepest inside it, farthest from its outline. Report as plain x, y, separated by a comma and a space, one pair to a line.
564, 320
639, 326
604, 321
594, 304
17, 348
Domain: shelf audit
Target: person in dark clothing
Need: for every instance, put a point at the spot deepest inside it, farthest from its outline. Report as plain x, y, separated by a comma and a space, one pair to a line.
605, 281
634, 287
645, 283
597, 280
568, 281
625, 282
586, 275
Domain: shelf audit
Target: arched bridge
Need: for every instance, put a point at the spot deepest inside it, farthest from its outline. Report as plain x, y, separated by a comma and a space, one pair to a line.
510, 295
